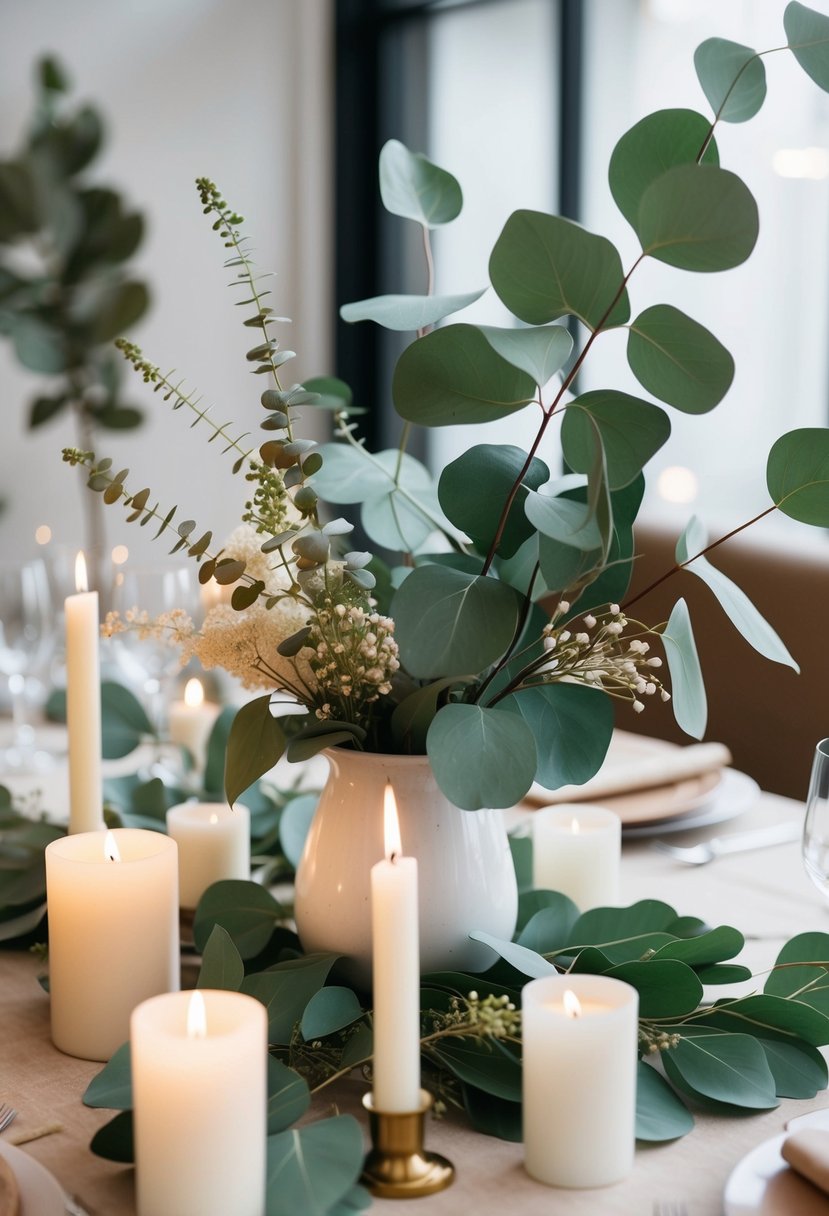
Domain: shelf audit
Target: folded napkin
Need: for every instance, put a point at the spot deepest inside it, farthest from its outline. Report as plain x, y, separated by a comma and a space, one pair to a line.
807, 1151
637, 763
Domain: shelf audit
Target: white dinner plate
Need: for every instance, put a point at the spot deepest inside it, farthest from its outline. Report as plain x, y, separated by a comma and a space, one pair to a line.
735, 794
762, 1184
40, 1194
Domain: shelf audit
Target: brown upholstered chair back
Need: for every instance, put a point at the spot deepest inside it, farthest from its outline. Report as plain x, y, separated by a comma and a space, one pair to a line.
770, 717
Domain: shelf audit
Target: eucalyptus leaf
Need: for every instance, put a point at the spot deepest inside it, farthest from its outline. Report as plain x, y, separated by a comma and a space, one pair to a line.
799, 1070
601, 925
474, 488
679, 360
453, 376
114, 1141
124, 721
726, 1068
660, 1114
413, 187
489, 1066
687, 689
715, 946
807, 32
22, 923
656, 143
733, 78
499, 753
526, 961
631, 432
797, 475
294, 825
288, 1096
255, 743
540, 351
769, 1013
569, 522
491, 1115
451, 623
564, 912
550, 925
311, 1168
544, 267
246, 910
810, 982
112, 1087
698, 217
666, 988
285, 990
733, 600
329, 1010
404, 313
222, 965
572, 726
413, 716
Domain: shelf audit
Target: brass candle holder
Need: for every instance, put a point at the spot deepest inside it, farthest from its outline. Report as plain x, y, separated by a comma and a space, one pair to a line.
397, 1167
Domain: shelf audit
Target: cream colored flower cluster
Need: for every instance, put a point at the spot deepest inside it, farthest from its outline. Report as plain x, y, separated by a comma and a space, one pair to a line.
175, 627
595, 652
354, 659
244, 644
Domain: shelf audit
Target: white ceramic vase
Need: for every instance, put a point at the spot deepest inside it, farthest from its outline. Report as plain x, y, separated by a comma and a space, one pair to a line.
465, 871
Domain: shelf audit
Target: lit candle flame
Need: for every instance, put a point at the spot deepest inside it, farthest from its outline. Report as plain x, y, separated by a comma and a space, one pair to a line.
81, 581
214, 818
574, 827
111, 848
572, 1004
193, 694
196, 1017
391, 825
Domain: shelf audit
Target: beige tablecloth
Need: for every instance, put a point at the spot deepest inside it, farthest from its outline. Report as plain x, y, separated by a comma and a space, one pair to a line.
766, 894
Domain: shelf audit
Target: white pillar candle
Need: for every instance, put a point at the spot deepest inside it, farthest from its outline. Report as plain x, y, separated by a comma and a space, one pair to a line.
577, 850
199, 1083
213, 843
191, 721
396, 973
83, 706
112, 899
580, 1036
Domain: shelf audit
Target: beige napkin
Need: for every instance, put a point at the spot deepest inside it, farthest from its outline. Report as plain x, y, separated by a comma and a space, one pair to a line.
636, 763
807, 1151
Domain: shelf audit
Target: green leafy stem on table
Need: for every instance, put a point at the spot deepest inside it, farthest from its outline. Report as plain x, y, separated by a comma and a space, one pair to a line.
735, 1055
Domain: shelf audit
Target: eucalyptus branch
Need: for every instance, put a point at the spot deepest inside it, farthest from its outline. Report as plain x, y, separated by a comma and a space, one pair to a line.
516, 637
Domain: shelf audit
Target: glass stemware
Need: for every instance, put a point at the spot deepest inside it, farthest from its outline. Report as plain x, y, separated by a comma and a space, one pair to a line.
150, 664
816, 827
26, 642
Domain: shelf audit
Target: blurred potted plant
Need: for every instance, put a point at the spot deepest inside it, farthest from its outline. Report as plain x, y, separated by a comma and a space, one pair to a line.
65, 292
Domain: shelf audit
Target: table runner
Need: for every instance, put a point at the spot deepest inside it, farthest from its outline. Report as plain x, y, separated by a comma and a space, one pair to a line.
766, 894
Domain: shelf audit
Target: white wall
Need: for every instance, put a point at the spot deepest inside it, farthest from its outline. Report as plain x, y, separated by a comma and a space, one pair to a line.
237, 90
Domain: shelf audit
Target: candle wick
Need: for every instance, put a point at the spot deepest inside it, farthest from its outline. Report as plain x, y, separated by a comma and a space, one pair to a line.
393, 858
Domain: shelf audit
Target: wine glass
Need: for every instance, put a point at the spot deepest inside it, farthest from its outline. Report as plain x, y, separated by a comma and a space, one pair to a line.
816, 827
151, 664
26, 640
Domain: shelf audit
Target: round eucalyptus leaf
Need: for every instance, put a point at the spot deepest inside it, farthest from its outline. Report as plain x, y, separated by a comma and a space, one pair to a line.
656, 143
117, 308
124, 721
405, 313
679, 360
631, 432
481, 757
453, 375
330, 393
396, 521
414, 187
111, 1089
565, 520
808, 35
39, 346
797, 475
698, 217
221, 965
572, 726
473, 491
245, 909
288, 1096
544, 267
18, 203
540, 351
452, 623
114, 1141
329, 1010
733, 78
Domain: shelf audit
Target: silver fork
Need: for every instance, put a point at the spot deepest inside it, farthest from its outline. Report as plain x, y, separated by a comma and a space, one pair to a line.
738, 842
7, 1115
677, 1208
